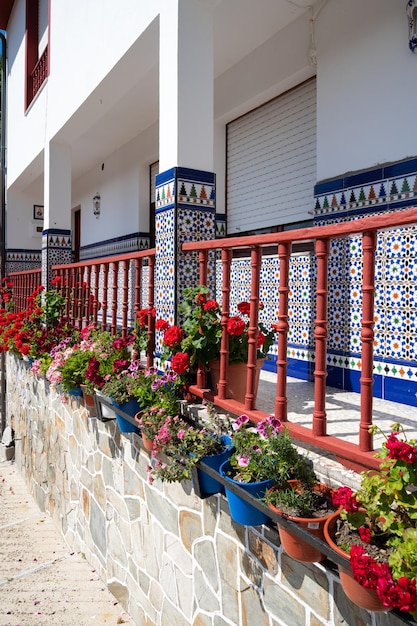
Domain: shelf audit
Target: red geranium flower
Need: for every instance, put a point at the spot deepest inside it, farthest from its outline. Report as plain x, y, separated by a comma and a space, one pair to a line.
235, 326
180, 362
211, 305
244, 308
173, 336
161, 324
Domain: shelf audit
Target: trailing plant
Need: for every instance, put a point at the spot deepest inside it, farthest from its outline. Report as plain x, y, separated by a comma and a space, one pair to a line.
382, 519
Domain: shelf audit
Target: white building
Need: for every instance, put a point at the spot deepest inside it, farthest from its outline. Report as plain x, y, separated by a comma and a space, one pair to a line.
279, 112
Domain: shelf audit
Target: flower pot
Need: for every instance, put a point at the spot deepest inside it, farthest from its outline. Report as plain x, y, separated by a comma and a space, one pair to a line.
208, 485
131, 407
147, 443
75, 391
236, 377
88, 398
241, 511
359, 595
293, 545
106, 412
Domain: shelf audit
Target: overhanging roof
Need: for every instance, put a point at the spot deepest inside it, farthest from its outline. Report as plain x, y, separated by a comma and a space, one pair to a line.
5, 10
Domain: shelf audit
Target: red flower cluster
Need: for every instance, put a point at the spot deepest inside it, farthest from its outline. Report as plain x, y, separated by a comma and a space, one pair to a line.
367, 572
344, 497
161, 325
173, 336
400, 450
211, 305
143, 316
235, 326
180, 362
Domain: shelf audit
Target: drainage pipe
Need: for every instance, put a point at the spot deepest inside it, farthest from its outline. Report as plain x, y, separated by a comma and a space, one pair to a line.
3, 216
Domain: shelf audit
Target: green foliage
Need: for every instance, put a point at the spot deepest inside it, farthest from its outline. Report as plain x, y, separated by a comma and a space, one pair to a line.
300, 500
181, 443
266, 451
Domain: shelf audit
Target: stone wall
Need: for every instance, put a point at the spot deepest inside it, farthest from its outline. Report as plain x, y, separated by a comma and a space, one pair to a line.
169, 557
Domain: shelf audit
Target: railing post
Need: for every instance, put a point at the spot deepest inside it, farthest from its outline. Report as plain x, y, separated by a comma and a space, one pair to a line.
224, 347
250, 398
281, 403
320, 335
87, 295
367, 337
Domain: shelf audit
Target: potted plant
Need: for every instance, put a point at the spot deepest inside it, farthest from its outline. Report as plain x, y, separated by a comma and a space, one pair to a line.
183, 444
199, 339
119, 387
264, 455
376, 529
307, 503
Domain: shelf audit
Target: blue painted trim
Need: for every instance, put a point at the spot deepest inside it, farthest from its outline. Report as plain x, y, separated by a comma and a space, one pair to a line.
105, 242
164, 177
56, 231
391, 170
196, 176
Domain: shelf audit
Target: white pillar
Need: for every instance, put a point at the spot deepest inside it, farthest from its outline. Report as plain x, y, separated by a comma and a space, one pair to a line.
186, 85
57, 187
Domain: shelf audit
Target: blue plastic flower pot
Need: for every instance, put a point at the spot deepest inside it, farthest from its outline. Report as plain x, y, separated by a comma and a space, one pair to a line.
131, 407
75, 391
241, 511
208, 484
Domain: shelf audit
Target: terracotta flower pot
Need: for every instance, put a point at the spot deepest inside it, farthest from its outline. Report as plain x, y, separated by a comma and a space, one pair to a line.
293, 545
236, 377
88, 398
359, 595
147, 443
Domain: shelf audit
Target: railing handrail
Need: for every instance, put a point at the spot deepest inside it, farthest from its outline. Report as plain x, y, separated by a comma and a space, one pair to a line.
128, 256
395, 219
26, 272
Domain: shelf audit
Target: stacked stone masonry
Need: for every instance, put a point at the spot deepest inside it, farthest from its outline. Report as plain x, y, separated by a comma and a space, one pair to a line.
169, 557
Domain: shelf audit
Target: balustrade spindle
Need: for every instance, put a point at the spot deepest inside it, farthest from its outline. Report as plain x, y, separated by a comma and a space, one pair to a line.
281, 404
151, 319
202, 262
367, 337
113, 326
250, 397
96, 268
320, 335
125, 296
105, 296
224, 347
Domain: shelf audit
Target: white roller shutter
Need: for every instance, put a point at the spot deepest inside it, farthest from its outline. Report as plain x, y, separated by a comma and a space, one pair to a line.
271, 162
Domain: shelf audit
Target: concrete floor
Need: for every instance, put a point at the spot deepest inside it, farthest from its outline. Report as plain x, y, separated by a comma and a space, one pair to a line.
342, 408
42, 582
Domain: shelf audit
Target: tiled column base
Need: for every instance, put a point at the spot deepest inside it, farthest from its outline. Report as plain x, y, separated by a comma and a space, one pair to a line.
185, 211
56, 250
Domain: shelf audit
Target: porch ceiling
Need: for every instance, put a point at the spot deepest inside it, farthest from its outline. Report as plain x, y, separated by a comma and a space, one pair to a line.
126, 102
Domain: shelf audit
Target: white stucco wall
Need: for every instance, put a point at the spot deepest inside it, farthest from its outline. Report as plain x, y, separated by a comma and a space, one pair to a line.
83, 56
123, 185
366, 85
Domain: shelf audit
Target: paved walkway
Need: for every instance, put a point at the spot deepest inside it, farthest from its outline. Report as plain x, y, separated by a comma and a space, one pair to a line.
43, 583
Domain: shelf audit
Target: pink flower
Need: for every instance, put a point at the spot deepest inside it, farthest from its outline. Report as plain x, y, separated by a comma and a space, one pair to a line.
239, 421
242, 460
181, 434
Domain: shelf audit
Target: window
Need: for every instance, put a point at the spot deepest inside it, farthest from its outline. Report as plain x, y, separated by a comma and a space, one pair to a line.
37, 48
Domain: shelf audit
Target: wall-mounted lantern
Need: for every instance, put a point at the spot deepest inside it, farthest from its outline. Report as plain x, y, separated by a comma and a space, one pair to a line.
412, 24
96, 204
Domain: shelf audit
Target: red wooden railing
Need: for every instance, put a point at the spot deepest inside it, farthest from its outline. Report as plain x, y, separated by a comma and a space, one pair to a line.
109, 292
40, 73
24, 283
321, 235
